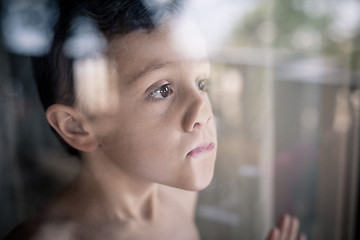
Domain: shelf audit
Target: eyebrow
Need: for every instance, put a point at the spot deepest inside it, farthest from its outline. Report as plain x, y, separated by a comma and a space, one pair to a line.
151, 68
154, 67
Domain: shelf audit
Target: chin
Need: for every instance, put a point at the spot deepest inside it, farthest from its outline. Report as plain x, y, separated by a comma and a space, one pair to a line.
198, 184
204, 184
201, 181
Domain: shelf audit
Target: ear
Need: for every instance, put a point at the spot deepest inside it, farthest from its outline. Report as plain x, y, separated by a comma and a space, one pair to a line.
72, 126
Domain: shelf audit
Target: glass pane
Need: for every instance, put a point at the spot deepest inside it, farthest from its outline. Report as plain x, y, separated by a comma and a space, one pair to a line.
284, 90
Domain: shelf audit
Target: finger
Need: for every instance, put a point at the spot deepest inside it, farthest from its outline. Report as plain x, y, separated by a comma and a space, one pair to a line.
294, 228
274, 234
285, 227
302, 237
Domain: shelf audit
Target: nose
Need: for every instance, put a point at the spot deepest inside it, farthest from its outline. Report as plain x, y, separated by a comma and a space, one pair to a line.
198, 112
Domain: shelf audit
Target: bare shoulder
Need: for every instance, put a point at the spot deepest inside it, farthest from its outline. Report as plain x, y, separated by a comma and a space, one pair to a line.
186, 200
39, 228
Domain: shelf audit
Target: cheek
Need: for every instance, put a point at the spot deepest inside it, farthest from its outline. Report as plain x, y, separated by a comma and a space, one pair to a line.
154, 158
141, 141
157, 153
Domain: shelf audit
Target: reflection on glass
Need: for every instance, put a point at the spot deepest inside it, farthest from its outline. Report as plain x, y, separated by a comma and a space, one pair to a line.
284, 91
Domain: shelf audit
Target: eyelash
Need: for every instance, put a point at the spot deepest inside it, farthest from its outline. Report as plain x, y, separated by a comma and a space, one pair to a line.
165, 87
171, 91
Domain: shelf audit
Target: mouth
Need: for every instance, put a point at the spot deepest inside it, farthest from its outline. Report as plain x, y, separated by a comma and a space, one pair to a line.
201, 150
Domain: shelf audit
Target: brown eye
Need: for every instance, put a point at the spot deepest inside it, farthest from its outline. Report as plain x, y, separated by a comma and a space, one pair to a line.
202, 84
162, 92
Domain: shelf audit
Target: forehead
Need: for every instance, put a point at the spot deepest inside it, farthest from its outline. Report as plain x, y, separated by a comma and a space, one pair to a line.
140, 49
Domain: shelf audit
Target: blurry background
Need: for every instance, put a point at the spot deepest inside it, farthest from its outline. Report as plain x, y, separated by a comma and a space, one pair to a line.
284, 88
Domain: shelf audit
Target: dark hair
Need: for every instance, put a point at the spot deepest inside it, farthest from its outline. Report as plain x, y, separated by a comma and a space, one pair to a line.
54, 71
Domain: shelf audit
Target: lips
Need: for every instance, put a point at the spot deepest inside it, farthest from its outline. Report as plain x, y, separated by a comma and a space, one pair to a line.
201, 150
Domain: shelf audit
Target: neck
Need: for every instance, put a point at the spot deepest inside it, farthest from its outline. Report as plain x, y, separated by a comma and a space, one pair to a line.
114, 192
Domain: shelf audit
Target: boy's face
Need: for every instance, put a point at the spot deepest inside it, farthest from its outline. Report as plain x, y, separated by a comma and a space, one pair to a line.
161, 128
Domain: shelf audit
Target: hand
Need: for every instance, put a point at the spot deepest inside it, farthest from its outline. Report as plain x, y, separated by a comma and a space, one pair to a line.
287, 230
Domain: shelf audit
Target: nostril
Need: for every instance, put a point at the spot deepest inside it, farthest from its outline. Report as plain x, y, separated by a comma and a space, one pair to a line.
198, 114
197, 125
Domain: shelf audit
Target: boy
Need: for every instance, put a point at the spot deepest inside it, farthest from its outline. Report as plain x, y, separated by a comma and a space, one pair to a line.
154, 135
134, 107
